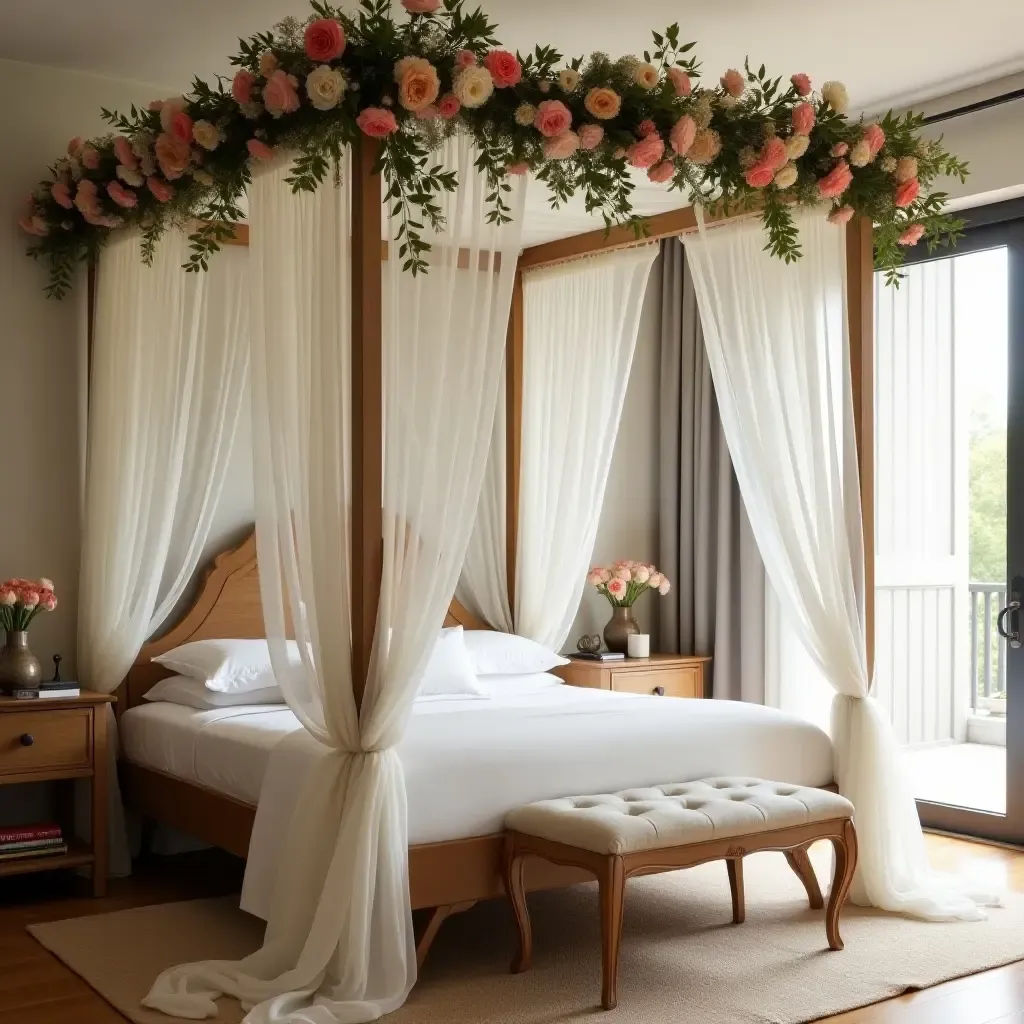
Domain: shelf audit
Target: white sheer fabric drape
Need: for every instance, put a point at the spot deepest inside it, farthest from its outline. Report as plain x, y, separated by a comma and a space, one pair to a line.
777, 341
580, 326
339, 942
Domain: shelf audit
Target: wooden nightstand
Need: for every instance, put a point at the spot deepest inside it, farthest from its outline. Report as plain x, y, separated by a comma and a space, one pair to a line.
665, 675
54, 739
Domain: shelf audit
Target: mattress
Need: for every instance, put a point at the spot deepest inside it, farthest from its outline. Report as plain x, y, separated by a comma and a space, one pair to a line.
468, 762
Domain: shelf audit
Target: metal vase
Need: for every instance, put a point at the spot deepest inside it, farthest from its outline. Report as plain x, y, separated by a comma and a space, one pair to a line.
618, 629
19, 667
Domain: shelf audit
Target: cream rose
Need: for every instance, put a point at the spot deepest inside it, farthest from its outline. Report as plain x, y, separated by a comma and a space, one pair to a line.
603, 104
473, 86
646, 76
208, 135
796, 146
786, 176
836, 96
325, 86
569, 80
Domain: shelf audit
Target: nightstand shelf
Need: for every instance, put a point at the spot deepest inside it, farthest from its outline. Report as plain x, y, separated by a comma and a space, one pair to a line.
661, 675
79, 855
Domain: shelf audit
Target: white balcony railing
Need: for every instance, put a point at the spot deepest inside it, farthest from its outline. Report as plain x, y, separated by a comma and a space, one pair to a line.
988, 648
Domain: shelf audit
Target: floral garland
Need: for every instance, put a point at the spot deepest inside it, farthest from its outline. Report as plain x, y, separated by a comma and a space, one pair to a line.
751, 141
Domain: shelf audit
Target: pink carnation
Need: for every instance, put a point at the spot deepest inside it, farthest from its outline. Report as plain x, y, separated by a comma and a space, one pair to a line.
733, 83
682, 135
87, 196
663, 172
760, 175
912, 235
172, 154
836, 182
61, 194
680, 81
645, 128
875, 138
377, 122
841, 215
242, 86
124, 197
125, 155
553, 118
90, 157
280, 94
517, 169
774, 153
33, 225
803, 118
591, 136
49, 602
324, 40
907, 192
561, 146
802, 84
448, 105
505, 69
259, 150
647, 152
841, 149
465, 59
616, 587
421, 6
160, 189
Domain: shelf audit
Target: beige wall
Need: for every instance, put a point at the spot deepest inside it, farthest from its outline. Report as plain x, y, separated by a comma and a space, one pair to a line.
38, 371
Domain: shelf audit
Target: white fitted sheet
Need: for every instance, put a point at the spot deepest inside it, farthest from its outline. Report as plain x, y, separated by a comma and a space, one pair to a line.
468, 762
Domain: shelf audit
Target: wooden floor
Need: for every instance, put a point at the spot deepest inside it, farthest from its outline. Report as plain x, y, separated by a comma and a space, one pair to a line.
35, 988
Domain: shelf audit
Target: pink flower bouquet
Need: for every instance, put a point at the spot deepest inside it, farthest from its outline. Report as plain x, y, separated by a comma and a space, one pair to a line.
626, 580
22, 600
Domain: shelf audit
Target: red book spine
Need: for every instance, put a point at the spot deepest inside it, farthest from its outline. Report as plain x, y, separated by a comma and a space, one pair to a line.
27, 832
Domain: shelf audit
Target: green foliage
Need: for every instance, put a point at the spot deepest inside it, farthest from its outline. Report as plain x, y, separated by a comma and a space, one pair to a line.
987, 476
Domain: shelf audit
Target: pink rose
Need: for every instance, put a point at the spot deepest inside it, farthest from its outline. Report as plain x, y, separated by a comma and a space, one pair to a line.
421, 6
616, 587
124, 197
680, 81
62, 194
324, 40
377, 122
173, 155
803, 118
259, 150
591, 136
663, 172
181, 126
553, 118
907, 192
774, 153
760, 175
605, 575
841, 215
733, 83
75, 145
517, 169
561, 146
801, 83
280, 95
160, 189
645, 128
87, 196
647, 152
465, 59
836, 182
912, 235
875, 138
242, 86
90, 157
841, 149
682, 135
593, 578
448, 105
505, 69
623, 573
125, 154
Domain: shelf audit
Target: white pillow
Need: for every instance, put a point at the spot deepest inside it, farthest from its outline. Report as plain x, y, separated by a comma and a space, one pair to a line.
194, 694
449, 672
493, 653
519, 686
227, 666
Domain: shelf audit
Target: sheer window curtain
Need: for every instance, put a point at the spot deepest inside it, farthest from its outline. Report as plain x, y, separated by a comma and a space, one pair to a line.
339, 941
777, 343
580, 326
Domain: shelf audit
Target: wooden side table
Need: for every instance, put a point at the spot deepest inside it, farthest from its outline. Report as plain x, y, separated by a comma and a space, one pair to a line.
664, 675
57, 739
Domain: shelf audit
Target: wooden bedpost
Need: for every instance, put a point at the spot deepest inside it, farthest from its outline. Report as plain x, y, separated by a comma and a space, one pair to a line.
513, 433
860, 290
367, 407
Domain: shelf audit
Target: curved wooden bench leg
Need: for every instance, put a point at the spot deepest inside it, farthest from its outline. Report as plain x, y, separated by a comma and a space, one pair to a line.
612, 881
513, 863
845, 848
739, 909
804, 870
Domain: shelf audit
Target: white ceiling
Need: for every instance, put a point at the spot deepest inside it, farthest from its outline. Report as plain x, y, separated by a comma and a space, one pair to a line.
886, 52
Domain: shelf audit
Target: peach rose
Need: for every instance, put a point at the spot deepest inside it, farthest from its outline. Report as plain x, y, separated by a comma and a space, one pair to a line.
647, 152
561, 146
377, 122
907, 192
124, 153
801, 83
553, 118
160, 189
505, 69
875, 138
124, 197
421, 6
912, 235
760, 175
324, 40
259, 150
663, 172
684, 131
465, 59
602, 103
680, 81
836, 182
173, 155
418, 85
733, 83
280, 95
61, 194
90, 157
591, 136
841, 215
803, 118
242, 86
448, 105
707, 144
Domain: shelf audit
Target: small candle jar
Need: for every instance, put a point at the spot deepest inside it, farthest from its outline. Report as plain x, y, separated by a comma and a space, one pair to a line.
639, 645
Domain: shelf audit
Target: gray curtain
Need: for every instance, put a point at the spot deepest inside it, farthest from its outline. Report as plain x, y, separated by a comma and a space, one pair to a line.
716, 606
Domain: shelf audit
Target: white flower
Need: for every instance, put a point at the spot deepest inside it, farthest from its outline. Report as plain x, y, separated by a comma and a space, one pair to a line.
796, 146
208, 135
836, 96
623, 573
646, 76
8, 598
44, 582
325, 86
569, 80
525, 113
727, 102
473, 86
171, 106
642, 575
860, 155
654, 580
128, 176
665, 587
786, 176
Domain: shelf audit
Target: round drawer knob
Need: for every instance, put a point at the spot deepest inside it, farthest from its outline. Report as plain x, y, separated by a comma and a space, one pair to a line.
26, 739
659, 691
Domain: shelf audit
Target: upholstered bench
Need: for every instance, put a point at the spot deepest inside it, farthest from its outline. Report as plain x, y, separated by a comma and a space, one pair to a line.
663, 828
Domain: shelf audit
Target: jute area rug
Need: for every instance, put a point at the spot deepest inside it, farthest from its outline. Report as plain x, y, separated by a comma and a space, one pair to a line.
682, 959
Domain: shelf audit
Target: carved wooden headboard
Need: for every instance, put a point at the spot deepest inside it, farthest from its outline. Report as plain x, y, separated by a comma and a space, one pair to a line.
228, 605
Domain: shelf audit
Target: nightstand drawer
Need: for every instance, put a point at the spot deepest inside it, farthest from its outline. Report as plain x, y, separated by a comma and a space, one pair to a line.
45, 740
668, 682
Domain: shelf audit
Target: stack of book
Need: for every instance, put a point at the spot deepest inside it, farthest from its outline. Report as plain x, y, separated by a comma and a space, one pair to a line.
31, 841
52, 688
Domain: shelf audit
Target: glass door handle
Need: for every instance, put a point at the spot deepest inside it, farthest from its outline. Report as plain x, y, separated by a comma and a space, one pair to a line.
1011, 613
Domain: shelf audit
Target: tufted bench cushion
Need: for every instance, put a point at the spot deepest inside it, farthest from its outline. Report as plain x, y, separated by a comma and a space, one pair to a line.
676, 815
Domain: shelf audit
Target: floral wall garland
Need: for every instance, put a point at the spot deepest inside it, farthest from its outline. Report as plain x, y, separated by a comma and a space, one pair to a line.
751, 141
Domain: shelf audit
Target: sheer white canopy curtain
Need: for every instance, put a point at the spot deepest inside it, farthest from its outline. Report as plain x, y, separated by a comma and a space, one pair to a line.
580, 325
339, 941
777, 341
